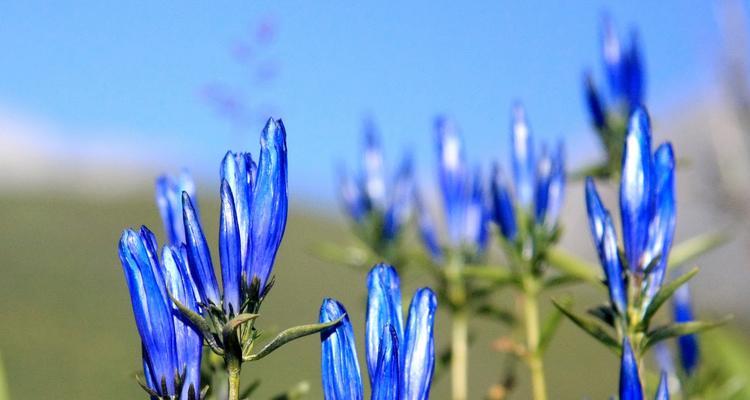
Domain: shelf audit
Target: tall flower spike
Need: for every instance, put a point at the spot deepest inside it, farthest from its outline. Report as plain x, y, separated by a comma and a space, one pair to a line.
661, 229
418, 351
630, 381
603, 232
270, 203
662, 392
502, 205
522, 154
153, 315
339, 367
169, 201
636, 200
230, 252
688, 344
383, 309
189, 341
199, 257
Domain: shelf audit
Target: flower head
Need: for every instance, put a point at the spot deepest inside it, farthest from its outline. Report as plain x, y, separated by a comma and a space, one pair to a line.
171, 347
400, 358
369, 200
539, 182
647, 210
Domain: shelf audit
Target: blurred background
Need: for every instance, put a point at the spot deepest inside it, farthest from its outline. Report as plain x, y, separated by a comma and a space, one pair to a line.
97, 99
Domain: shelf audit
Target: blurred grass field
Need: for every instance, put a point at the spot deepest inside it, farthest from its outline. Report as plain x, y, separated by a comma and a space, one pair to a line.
68, 333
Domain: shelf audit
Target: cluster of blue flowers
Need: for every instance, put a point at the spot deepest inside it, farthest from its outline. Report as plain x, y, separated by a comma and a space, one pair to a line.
400, 358
378, 210
164, 292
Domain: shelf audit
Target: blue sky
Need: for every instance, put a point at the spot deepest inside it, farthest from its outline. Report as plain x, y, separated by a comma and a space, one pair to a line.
132, 71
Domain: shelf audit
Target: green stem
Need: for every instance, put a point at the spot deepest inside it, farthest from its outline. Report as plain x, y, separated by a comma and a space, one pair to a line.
535, 361
460, 330
233, 369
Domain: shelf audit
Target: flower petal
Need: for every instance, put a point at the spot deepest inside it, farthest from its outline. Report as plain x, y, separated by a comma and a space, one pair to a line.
522, 155
199, 257
630, 381
383, 308
418, 348
339, 367
387, 375
401, 201
502, 206
662, 392
662, 226
230, 252
688, 344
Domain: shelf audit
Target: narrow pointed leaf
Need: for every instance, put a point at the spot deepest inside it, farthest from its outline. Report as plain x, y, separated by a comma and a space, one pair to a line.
590, 326
573, 266
549, 327
200, 323
676, 330
291, 334
664, 294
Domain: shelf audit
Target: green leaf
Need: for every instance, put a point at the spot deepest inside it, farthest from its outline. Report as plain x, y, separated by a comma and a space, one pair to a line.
663, 295
289, 335
676, 330
550, 325
200, 323
591, 327
604, 313
560, 280
490, 273
573, 266
694, 247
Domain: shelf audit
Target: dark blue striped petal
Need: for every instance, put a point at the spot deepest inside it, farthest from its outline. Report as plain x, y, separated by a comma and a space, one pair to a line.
543, 180
594, 103
230, 252
636, 189
427, 231
383, 308
688, 344
189, 341
152, 313
605, 239
662, 392
630, 381
661, 230
522, 154
234, 172
418, 348
339, 367
373, 171
199, 257
453, 176
556, 191
387, 375
401, 202
269, 209
502, 205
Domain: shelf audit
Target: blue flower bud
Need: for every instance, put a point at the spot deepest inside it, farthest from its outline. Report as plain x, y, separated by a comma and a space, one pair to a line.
630, 381
230, 252
383, 309
543, 180
352, 198
401, 201
636, 193
633, 73
374, 171
418, 348
603, 232
613, 58
556, 190
454, 178
594, 103
662, 392
522, 154
269, 204
662, 226
169, 201
427, 230
238, 170
199, 256
688, 344
387, 374
502, 206
339, 367
476, 216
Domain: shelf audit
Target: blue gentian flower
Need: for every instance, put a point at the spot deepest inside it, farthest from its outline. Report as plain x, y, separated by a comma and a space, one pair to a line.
623, 67
368, 195
688, 344
400, 358
171, 346
647, 210
630, 381
539, 182
253, 217
463, 196
169, 201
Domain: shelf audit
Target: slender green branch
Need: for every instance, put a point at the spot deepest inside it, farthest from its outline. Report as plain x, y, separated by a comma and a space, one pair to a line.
533, 334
